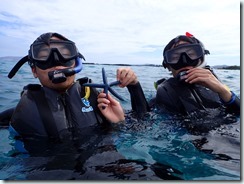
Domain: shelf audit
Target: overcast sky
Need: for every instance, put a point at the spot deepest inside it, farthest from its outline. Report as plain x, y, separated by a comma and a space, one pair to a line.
123, 31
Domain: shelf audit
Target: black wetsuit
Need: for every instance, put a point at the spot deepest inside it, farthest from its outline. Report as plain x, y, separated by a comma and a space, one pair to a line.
44, 112
182, 98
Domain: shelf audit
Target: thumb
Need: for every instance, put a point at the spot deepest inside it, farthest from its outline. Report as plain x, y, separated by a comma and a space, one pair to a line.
112, 100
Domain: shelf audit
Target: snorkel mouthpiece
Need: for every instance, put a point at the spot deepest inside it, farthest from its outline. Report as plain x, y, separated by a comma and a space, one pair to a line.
182, 76
59, 76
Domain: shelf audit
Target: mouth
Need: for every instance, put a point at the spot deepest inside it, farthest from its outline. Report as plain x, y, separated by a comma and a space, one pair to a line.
59, 68
184, 69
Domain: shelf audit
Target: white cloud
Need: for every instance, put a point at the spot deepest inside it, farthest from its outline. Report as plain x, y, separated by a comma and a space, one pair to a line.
128, 31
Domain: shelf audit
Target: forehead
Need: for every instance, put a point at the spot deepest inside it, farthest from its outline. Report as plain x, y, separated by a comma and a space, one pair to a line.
55, 38
179, 43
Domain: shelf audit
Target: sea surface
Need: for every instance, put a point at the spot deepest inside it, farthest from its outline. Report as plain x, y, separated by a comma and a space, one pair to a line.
155, 148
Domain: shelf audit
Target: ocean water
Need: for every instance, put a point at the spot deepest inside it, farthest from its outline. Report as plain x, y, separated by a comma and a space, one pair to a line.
155, 148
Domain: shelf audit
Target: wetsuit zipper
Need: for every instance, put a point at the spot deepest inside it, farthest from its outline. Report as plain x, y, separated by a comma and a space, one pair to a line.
67, 112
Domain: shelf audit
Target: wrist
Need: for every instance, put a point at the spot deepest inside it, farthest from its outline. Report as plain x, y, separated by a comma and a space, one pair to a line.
134, 82
230, 101
117, 120
121, 122
118, 125
225, 94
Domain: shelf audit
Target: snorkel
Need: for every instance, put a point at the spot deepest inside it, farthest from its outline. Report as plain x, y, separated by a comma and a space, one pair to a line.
56, 76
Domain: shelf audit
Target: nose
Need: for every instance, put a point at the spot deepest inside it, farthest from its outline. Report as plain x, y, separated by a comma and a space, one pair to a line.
56, 58
184, 59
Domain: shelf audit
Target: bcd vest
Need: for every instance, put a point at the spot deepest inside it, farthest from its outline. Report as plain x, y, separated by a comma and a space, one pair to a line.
57, 113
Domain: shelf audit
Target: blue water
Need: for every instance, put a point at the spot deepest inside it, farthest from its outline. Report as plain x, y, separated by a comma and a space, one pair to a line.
154, 148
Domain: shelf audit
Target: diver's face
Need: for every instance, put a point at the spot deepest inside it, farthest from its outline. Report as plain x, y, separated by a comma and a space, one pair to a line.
176, 72
43, 77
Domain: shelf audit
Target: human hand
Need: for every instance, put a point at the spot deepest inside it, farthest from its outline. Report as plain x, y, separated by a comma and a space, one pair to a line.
110, 108
206, 78
126, 76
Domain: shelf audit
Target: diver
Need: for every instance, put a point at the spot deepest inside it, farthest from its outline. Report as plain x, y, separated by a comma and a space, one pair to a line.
194, 86
61, 106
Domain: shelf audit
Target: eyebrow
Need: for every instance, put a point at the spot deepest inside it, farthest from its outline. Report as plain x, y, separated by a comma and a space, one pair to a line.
43, 49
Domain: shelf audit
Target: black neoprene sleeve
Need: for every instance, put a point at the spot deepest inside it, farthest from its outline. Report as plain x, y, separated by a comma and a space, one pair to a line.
138, 100
234, 107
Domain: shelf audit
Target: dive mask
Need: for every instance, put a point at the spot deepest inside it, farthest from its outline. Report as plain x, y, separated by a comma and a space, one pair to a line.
184, 55
55, 53
190, 54
46, 53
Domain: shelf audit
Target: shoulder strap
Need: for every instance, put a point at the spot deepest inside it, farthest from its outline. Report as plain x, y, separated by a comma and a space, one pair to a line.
92, 98
45, 112
212, 71
81, 82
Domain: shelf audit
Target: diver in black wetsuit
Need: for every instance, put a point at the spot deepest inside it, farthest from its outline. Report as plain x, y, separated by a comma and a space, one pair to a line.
60, 105
194, 86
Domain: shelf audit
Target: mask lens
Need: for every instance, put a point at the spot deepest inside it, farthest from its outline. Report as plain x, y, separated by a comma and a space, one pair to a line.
66, 49
41, 51
193, 51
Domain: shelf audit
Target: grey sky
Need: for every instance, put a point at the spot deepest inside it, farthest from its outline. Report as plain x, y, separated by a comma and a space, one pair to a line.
123, 31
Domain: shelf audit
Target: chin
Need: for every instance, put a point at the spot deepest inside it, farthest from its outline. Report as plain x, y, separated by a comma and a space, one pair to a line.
62, 87
184, 68
202, 64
